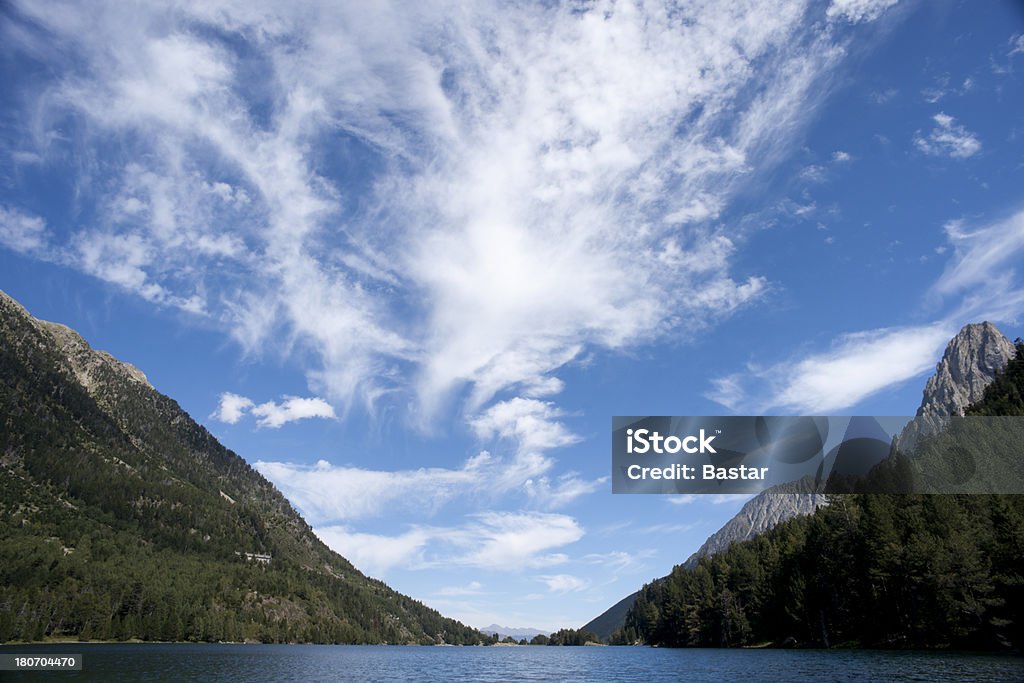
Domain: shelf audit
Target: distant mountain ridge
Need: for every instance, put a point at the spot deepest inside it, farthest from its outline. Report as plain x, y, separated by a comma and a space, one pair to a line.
968, 365
518, 633
121, 517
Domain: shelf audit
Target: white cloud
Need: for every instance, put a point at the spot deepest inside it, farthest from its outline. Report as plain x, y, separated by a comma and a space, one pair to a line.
802, 210
502, 541
563, 583
687, 498
668, 528
510, 541
291, 409
231, 408
856, 11
373, 553
982, 257
617, 562
566, 488
983, 270
621, 130
472, 588
22, 157
325, 493
727, 498
858, 366
1016, 45
120, 259
841, 157
948, 138
462, 204
884, 96
941, 89
534, 427
814, 173
125, 259
530, 422
22, 232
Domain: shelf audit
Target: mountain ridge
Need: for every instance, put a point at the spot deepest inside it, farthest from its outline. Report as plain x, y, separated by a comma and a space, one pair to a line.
150, 527
503, 631
886, 571
968, 365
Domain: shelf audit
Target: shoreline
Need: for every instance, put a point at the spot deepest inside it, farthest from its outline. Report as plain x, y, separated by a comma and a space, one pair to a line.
763, 647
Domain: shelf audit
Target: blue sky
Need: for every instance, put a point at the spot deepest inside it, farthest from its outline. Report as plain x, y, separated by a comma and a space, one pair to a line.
409, 261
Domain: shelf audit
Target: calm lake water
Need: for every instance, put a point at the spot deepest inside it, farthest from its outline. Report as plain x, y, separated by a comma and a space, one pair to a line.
171, 662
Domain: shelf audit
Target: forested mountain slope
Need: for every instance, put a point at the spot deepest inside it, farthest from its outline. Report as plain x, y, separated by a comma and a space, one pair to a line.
969, 363
121, 517
919, 571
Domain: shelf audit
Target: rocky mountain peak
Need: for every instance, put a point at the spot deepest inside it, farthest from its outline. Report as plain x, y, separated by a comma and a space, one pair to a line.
86, 361
969, 364
83, 361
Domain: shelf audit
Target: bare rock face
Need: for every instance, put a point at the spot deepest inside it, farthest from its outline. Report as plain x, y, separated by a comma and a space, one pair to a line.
759, 514
970, 363
87, 362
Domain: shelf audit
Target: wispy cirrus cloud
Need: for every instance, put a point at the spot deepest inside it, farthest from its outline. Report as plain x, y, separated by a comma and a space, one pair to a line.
1016, 45
982, 256
558, 492
857, 11
623, 131
524, 430
980, 282
502, 541
856, 367
327, 494
531, 423
983, 272
472, 588
376, 553
619, 562
563, 583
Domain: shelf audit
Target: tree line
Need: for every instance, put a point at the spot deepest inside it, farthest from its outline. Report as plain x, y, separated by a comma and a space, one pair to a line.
868, 570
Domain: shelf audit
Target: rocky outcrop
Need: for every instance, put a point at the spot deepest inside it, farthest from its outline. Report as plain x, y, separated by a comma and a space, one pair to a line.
969, 364
971, 361
759, 514
85, 361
